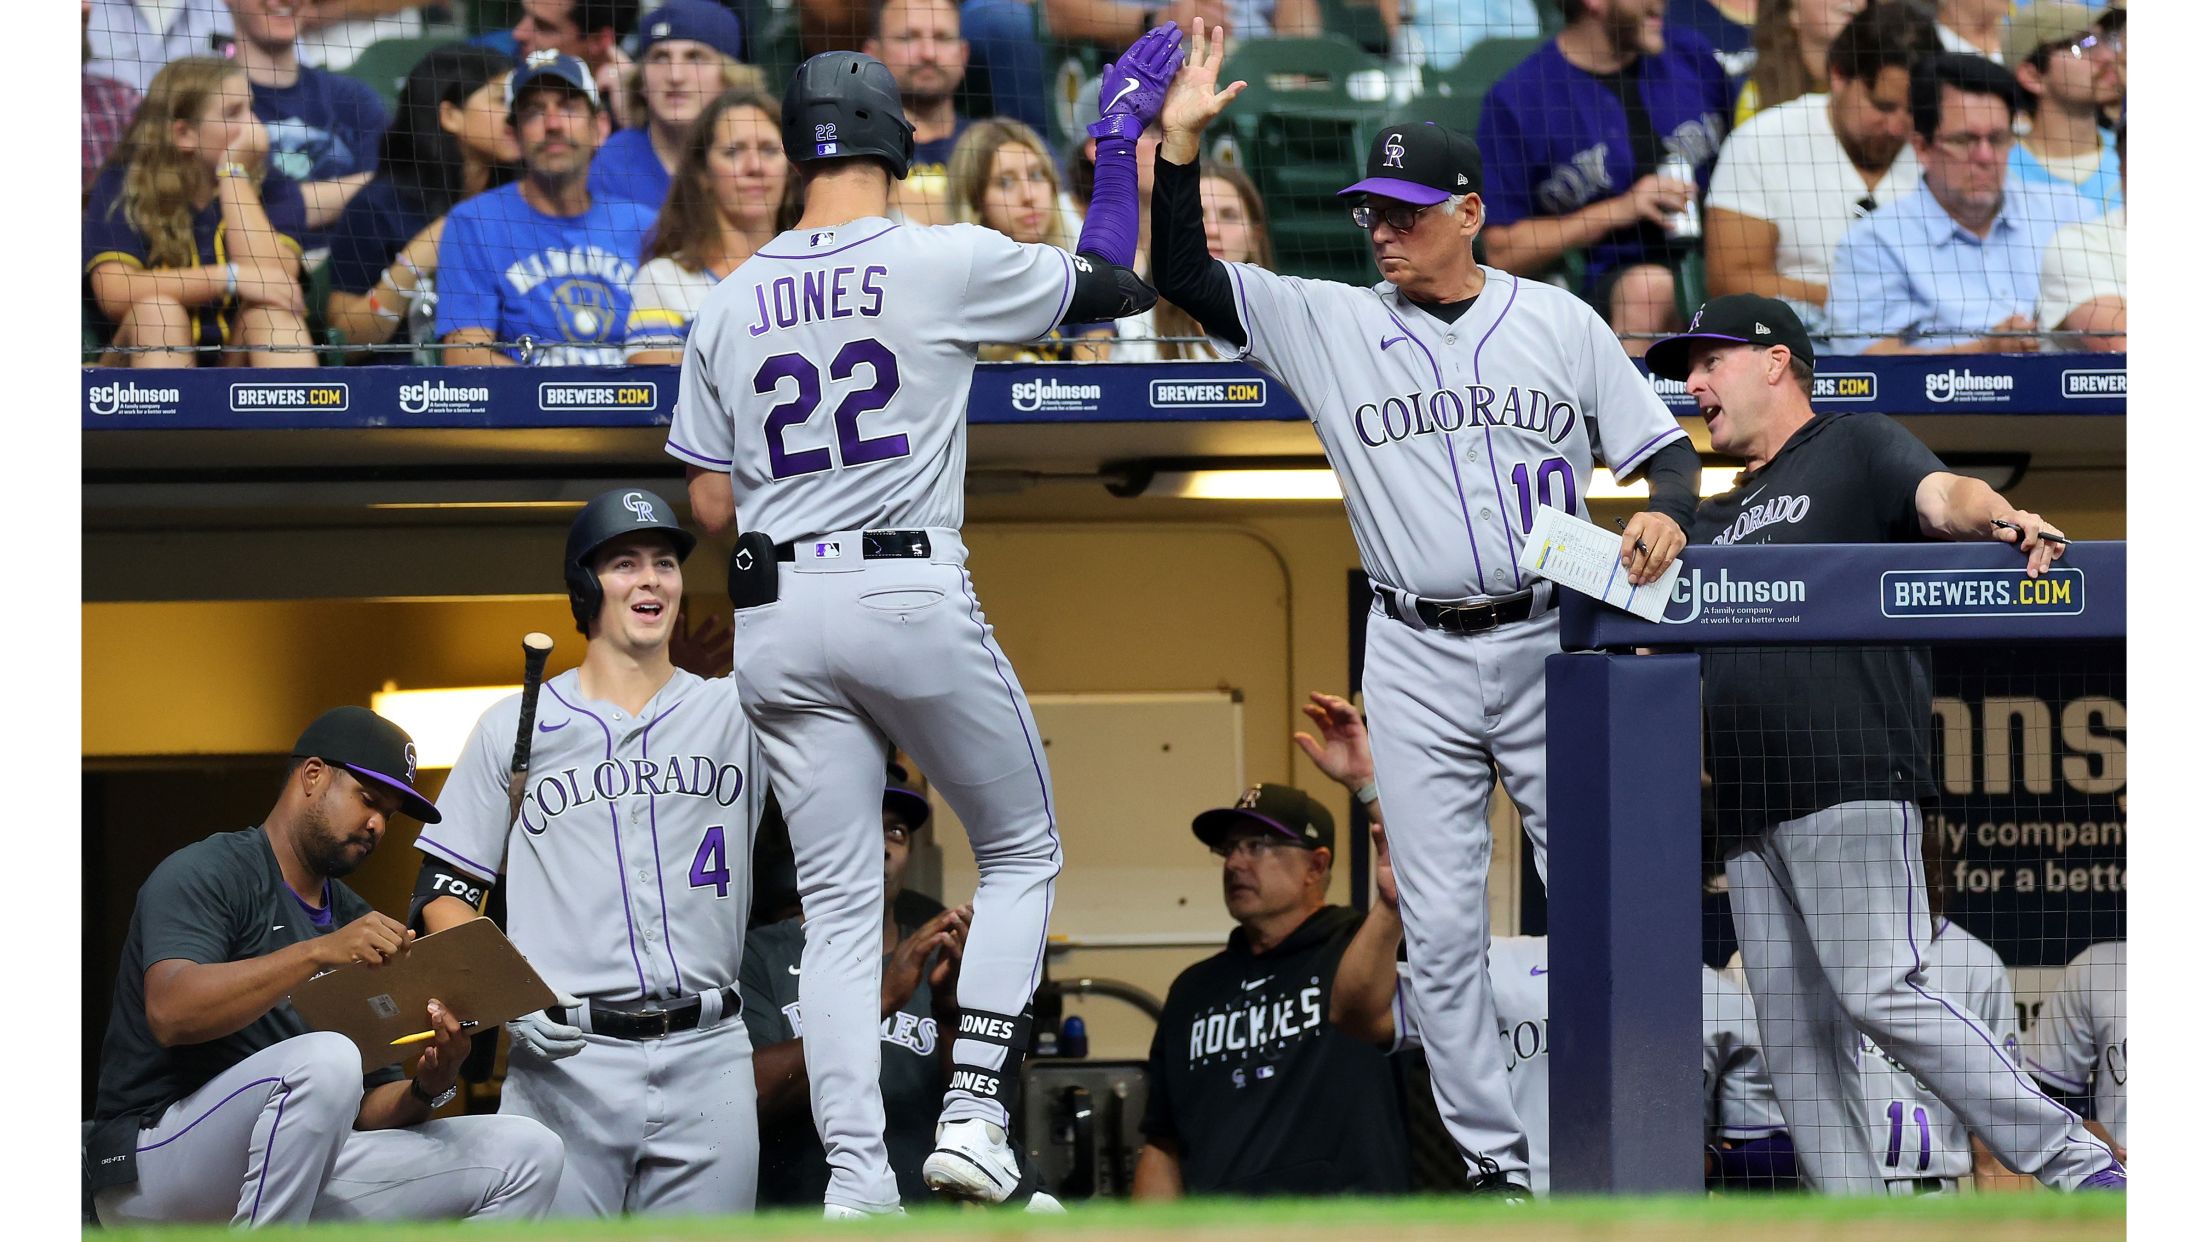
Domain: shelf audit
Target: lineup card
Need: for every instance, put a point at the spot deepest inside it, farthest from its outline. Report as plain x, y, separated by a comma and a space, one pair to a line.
1576, 553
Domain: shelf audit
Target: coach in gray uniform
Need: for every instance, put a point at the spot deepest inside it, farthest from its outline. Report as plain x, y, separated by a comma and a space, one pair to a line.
215, 1101
1453, 401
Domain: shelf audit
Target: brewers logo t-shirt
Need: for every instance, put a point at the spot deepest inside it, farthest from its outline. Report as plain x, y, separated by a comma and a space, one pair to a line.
563, 281
1261, 1093
1793, 730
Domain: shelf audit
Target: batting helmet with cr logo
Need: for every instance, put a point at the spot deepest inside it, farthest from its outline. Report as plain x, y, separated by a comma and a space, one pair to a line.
609, 516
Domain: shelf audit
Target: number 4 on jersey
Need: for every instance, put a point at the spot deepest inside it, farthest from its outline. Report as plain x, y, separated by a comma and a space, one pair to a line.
710, 868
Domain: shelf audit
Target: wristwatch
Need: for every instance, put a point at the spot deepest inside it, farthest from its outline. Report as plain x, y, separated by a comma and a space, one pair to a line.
414, 1088
231, 168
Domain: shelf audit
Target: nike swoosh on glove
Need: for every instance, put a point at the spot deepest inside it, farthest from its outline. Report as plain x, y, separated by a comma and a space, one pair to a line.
548, 1039
1132, 89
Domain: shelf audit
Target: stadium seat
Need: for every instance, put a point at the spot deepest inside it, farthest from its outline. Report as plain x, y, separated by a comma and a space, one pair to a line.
1483, 65
770, 39
1301, 132
1355, 20
384, 64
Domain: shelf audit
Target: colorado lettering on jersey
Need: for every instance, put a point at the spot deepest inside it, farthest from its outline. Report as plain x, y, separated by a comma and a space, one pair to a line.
1449, 410
529, 271
695, 776
1523, 1041
818, 296
1788, 509
1255, 1026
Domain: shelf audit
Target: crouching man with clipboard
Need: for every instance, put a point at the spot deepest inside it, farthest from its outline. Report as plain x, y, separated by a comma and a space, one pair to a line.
216, 1103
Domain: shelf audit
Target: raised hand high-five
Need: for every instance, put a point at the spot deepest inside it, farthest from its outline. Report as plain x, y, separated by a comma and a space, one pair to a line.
1130, 90
1195, 98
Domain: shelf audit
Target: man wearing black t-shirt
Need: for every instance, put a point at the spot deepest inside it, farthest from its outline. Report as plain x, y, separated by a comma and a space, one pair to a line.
216, 1103
1818, 758
1252, 1090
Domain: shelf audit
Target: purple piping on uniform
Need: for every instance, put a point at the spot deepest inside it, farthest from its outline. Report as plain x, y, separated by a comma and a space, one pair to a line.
1050, 816
1488, 437
693, 455
268, 1156
822, 254
1625, 468
620, 867
659, 869
452, 855
1909, 895
1449, 448
211, 1111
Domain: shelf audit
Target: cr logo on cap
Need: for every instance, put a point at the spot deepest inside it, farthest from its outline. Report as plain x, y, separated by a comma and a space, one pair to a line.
635, 503
1394, 149
1247, 800
410, 763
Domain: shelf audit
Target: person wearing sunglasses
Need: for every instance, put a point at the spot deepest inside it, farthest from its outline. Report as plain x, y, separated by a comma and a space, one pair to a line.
1955, 266
2069, 74
1252, 1090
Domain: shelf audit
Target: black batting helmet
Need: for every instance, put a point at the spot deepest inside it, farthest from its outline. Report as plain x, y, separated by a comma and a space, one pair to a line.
608, 517
845, 104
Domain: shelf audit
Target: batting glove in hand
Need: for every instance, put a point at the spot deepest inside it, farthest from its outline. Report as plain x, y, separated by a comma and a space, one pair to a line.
1131, 90
541, 1035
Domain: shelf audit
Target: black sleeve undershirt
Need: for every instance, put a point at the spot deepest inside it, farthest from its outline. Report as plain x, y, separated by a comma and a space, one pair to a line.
1674, 482
1180, 262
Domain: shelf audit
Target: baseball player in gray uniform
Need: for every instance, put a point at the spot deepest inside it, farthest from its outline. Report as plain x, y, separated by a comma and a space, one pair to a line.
627, 879
2081, 1045
1453, 400
823, 403
1926, 1148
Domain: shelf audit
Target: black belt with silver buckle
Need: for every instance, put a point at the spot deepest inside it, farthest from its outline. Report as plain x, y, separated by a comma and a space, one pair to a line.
1476, 618
877, 545
652, 1021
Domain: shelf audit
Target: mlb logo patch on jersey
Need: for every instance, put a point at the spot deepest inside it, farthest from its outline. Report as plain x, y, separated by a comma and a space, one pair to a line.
827, 550
825, 237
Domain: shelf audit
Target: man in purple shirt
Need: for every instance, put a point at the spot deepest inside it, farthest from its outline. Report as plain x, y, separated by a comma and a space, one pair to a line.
1583, 145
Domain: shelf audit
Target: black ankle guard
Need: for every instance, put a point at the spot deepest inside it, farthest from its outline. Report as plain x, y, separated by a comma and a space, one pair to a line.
1010, 1034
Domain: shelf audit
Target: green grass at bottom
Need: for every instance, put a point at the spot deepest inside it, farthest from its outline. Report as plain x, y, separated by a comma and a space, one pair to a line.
2082, 1215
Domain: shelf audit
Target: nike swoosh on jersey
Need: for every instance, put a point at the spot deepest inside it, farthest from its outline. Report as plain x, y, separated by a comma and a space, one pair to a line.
1539, 971
793, 970
1256, 982
1131, 85
1752, 495
1387, 342
551, 728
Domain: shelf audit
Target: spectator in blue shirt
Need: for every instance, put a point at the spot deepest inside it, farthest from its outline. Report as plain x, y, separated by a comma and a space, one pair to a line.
2068, 75
692, 51
189, 240
538, 271
1437, 33
1955, 266
1574, 141
323, 128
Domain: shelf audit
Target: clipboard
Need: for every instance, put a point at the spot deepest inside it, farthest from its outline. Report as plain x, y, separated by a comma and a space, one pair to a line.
473, 969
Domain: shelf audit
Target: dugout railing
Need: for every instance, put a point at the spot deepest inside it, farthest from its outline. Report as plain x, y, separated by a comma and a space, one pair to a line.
1625, 832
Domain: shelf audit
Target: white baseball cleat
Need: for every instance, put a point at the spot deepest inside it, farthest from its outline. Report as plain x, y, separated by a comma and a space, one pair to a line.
837, 1211
971, 1160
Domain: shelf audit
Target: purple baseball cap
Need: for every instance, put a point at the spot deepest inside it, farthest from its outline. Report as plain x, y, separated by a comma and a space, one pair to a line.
1419, 162
372, 749
1741, 318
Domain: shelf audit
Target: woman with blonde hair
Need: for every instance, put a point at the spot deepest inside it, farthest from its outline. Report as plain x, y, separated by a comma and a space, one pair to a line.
1792, 40
1234, 232
189, 242
731, 193
1000, 176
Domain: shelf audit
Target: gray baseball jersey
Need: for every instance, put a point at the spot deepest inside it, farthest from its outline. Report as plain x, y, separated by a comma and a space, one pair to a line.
1919, 1136
2082, 1040
829, 376
1738, 1101
851, 350
627, 876
1448, 437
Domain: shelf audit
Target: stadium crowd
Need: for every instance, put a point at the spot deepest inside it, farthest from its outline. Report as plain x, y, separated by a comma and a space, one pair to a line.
277, 182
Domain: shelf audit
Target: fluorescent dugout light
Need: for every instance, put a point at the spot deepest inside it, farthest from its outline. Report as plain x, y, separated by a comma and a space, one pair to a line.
438, 720
1320, 483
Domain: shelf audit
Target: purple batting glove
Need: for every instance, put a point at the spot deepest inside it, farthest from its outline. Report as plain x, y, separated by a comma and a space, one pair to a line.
1131, 89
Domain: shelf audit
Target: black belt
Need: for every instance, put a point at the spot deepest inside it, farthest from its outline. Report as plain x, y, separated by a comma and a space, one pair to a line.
1925, 1185
1477, 618
652, 1020
877, 545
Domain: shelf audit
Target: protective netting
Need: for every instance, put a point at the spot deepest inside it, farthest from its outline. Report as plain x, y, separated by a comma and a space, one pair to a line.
280, 182
1924, 857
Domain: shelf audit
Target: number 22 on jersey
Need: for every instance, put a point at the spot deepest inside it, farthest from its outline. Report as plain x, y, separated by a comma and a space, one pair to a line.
789, 420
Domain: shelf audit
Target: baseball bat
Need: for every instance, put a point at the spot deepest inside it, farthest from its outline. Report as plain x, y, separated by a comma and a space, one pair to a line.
535, 647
